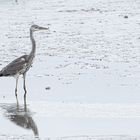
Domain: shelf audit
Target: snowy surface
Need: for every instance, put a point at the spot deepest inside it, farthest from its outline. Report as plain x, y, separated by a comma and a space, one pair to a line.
84, 84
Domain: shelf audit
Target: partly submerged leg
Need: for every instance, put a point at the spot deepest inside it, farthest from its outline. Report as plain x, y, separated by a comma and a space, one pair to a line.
16, 85
25, 105
17, 102
24, 84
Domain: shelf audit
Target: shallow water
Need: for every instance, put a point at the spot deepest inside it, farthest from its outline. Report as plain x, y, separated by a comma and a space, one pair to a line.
57, 120
84, 83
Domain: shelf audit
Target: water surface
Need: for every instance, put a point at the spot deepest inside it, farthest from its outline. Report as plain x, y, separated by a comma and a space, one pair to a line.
84, 83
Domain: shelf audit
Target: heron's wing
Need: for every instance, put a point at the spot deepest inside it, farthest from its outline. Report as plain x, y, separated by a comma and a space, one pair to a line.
15, 66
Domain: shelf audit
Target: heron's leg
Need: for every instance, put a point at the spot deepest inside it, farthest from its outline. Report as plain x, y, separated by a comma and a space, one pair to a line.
17, 102
24, 84
25, 105
16, 86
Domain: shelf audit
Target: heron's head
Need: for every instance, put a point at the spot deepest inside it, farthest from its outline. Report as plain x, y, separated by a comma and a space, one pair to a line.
37, 28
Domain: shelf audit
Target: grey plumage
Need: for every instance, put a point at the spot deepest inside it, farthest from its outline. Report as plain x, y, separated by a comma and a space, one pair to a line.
15, 66
22, 64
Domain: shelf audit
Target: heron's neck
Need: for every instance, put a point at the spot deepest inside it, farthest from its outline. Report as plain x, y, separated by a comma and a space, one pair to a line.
33, 43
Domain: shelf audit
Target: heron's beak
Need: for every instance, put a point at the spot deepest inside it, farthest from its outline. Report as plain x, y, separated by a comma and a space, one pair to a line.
43, 28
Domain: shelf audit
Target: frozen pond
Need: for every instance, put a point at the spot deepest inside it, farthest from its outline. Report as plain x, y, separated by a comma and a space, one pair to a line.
84, 83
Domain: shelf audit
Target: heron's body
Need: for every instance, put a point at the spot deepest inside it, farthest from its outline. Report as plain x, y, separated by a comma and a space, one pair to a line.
22, 64
16, 67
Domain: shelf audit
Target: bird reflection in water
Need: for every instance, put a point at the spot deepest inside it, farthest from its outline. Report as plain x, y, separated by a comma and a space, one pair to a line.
21, 116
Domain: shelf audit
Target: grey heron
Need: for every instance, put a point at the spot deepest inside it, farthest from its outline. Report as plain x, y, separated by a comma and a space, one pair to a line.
22, 64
